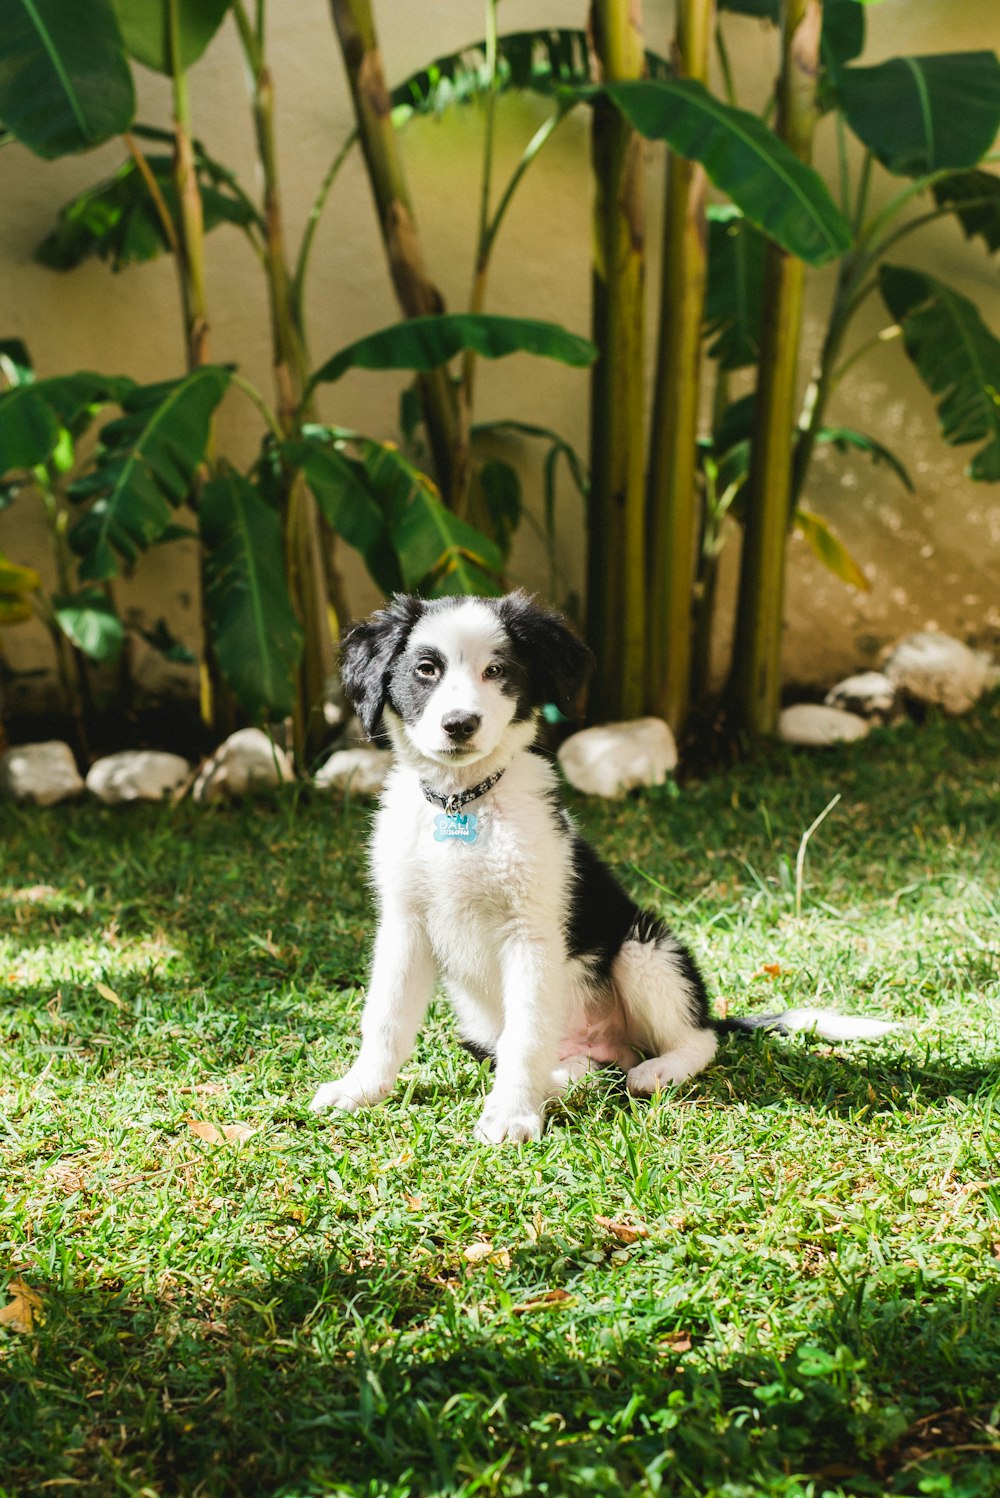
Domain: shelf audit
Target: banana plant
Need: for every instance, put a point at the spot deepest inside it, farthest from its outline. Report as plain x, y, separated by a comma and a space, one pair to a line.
908, 115
160, 202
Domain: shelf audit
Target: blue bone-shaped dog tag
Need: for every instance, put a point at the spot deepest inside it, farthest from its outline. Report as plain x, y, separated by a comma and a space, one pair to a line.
457, 828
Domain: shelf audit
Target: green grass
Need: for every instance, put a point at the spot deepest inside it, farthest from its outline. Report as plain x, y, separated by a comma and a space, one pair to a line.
376, 1305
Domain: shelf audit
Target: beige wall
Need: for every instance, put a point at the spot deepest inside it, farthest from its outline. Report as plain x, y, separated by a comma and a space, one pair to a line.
933, 557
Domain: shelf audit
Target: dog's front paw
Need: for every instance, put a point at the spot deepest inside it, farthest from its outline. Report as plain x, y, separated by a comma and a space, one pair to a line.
348, 1095
499, 1125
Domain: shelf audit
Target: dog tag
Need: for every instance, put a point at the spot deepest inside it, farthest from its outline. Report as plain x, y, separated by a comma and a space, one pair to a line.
457, 828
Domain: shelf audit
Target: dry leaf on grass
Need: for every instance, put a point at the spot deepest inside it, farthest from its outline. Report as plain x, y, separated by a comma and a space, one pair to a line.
625, 1232
676, 1342
543, 1302
476, 1251
109, 994
22, 1310
219, 1133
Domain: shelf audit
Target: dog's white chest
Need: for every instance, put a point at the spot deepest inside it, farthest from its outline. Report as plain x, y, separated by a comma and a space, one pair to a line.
471, 895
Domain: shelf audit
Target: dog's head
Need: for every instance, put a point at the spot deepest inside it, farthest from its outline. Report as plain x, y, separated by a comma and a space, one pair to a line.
449, 677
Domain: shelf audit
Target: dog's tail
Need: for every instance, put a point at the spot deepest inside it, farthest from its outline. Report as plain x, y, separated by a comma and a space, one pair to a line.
820, 1022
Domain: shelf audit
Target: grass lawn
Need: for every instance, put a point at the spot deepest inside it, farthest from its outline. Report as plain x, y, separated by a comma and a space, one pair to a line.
783, 1278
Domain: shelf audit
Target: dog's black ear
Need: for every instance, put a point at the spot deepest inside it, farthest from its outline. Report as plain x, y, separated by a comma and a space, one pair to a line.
367, 653
556, 660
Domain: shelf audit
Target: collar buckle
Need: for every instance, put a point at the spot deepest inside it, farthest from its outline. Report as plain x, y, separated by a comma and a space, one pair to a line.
453, 804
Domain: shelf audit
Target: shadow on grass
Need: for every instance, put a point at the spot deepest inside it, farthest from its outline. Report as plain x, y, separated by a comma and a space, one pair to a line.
276, 1388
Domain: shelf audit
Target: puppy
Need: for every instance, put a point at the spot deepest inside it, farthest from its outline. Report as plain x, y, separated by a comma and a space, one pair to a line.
483, 882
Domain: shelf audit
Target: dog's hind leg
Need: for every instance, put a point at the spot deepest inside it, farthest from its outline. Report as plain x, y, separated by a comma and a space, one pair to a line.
666, 1010
402, 981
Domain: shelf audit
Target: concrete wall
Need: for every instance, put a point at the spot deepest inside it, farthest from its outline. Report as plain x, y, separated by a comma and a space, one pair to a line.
932, 557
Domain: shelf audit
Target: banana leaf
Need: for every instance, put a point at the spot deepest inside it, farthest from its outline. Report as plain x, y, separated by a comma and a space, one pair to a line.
829, 549
117, 221
956, 356
88, 620
424, 343
340, 487
145, 30
974, 198
782, 196
34, 415
924, 114
734, 301
541, 62
845, 438
256, 636
64, 83
437, 552
16, 586
143, 470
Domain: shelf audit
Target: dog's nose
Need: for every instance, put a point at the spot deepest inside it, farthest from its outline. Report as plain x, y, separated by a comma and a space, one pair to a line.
460, 726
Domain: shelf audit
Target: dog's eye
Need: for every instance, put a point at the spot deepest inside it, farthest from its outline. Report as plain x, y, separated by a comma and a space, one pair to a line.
428, 669
493, 671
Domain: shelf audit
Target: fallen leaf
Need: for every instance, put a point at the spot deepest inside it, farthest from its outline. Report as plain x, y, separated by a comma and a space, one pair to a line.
21, 1311
265, 943
216, 1134
109, 994
676, 1342
542, 1302
625, 1232
415, 1203
477, 1251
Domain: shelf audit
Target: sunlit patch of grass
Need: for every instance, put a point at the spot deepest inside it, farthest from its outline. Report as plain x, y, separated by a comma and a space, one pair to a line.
783, 1278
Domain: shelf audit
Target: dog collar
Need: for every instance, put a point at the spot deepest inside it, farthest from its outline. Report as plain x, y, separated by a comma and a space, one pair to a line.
452, 805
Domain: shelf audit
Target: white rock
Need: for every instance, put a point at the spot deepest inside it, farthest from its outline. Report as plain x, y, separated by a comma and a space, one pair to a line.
247, 761
870, 694
615, 757
360, 771
136, 775
939, 670
43, 773
812, 724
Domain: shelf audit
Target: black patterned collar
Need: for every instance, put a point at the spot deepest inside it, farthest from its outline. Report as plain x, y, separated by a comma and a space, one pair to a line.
453, 804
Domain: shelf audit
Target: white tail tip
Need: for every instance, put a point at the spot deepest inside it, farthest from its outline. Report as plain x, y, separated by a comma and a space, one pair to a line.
829, 1026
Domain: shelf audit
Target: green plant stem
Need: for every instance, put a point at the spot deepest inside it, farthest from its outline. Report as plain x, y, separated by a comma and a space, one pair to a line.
304, 538
70, 662
756, 679
417, 295
191, 225
672, 525
477, 296
725, 65
190, 256
616, 542
312, 223
153, 188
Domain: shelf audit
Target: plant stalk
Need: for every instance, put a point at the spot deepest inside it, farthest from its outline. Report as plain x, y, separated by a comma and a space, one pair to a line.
417, 295
616, 568
303, 533
756, 680
673, 500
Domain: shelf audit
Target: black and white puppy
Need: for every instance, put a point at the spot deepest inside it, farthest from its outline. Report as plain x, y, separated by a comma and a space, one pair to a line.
483, 882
